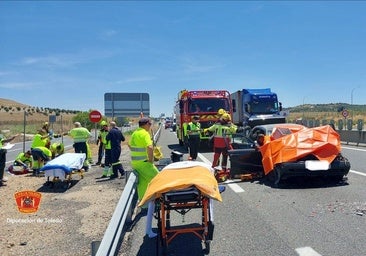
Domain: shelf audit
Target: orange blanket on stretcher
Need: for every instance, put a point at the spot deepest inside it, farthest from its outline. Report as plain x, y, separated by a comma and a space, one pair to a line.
182, 175
323, 142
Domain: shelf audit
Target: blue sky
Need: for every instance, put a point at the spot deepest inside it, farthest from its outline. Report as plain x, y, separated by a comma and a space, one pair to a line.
67, 54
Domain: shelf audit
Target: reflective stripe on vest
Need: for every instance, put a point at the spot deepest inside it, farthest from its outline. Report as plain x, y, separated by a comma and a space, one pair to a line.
138, 154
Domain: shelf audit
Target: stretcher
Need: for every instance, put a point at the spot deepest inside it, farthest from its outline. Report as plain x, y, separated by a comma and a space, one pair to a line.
182, 187
63, 167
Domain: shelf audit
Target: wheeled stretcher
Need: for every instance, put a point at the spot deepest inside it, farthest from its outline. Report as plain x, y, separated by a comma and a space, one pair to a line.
62, 167
182, 187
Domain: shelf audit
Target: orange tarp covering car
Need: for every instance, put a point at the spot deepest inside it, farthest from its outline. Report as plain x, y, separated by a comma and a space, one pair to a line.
182, 175
322, 142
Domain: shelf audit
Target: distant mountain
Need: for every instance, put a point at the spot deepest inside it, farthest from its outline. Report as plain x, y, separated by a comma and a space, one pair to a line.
330, 107
12, 103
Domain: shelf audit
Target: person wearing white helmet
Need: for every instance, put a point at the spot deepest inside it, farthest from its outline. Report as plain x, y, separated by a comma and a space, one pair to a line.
80, 136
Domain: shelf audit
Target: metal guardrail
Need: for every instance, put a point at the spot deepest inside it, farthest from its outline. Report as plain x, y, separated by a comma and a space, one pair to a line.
122, 215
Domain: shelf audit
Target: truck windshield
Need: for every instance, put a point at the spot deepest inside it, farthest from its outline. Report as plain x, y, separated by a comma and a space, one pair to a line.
264, 107
208, 105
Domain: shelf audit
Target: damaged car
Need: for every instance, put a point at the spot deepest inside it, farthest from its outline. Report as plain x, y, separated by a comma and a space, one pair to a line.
288, 150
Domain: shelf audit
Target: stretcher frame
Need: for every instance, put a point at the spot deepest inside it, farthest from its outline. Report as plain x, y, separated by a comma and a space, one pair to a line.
65, 171
182, 201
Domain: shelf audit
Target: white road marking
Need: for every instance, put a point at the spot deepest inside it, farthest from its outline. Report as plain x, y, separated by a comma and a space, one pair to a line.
235, 187
306, 251
359, 173
356, 149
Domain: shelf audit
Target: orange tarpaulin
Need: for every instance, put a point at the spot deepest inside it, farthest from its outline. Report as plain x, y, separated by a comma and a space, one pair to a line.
322, 142
182, 175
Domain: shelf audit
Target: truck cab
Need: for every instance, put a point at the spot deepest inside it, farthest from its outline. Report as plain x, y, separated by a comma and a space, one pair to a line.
253, 107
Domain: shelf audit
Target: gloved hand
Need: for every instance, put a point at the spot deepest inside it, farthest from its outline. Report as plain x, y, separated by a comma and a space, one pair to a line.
205, 130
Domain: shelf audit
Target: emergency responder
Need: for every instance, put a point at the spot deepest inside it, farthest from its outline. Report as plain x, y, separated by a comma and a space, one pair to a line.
142, 161
115, 137
220, 112
57, 148
222, 131
41, 139
80, 136
102, 141
23, 161
193, 132
46, 127
40, 155
107, 170
3, 158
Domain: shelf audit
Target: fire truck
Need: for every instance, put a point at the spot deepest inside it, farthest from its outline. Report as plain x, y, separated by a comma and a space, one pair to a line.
204, 104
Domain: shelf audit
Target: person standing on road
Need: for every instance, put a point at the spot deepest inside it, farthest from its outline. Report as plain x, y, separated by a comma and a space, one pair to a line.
193, 132
3, 158
115, 138
142, 161
222, 141
80, 136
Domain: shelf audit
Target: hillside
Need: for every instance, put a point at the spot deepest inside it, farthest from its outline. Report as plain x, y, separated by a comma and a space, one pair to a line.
13, 114
326, 111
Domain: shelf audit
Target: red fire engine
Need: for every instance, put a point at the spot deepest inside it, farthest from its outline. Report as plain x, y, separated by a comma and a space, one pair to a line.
204, 104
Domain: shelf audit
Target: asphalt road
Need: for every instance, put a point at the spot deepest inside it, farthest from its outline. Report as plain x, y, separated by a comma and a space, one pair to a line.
306, 218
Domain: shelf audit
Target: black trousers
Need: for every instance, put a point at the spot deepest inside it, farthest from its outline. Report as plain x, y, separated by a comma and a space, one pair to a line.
194, 145
2, 163
116, 164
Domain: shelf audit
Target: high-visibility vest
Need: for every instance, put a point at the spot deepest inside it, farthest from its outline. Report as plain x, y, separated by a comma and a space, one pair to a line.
193, 128
22, 157
222, 134
140, 140
103, 134
80, 134
107, 144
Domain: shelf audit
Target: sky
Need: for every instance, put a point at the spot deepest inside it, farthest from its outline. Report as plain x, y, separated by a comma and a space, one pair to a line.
68, 54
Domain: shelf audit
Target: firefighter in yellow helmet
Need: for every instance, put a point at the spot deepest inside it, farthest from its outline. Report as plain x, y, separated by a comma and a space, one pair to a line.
221, 112
222, 131
102, 141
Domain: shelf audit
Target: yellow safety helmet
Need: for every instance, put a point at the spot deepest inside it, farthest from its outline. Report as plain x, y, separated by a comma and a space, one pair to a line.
221, 111
103, 123
226, 117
